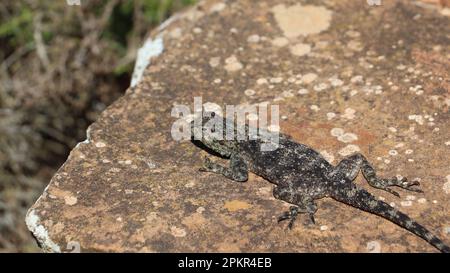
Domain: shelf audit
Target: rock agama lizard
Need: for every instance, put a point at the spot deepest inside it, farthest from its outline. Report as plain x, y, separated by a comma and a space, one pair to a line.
301, 176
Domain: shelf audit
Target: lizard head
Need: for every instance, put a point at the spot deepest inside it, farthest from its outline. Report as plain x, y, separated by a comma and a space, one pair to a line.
210, 129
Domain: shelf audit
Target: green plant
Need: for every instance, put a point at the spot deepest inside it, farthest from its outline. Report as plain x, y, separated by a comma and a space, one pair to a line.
60, 66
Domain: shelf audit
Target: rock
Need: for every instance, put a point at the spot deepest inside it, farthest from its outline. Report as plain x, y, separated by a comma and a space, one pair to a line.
131, 187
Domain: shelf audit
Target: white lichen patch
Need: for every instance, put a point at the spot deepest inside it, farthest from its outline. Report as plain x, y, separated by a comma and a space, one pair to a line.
217, 7
280, 41
70, 200
100, 144
393, 152
417, 118
253, 38
40, 233
422, 200
373, 247
309, 78
407, 203
276, 80
399, 145
336, 132
323, 228
353, 34
249, 92
349, 113
214, 61
410, 198
320, 87
357, 79
232, 64
178, 232
175, 33
331, 115
314, 107
200, 210
392, 129
335, 82
349, 149
347, 137
328, 156
299, 20
446, 186
300, 49
261, 81
287, 94
303, 91
355, 45
447, 230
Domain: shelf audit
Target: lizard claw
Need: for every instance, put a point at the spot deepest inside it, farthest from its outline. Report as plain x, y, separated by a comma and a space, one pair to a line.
411, 186
206, 165
286, 215
392, 192
291, 214
291, 223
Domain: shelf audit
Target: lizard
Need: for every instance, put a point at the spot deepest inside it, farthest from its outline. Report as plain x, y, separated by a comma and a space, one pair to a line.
301, 175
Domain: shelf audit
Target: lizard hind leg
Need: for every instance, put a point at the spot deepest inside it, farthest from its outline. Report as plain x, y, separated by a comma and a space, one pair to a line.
351, 165
302, 205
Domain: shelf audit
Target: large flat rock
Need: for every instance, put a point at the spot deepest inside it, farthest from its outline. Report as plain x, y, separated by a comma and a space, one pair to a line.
378, 73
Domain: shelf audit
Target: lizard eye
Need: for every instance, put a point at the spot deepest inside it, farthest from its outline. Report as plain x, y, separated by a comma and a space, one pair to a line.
221, 142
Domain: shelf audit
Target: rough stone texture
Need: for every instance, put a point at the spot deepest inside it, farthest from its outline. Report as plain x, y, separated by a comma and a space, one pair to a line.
347, 76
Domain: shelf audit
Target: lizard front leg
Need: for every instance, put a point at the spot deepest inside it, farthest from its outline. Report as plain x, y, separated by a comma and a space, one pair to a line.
237, 171
351, 165
304, 204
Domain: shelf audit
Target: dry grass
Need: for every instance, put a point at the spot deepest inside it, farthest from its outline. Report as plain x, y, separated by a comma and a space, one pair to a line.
60, 66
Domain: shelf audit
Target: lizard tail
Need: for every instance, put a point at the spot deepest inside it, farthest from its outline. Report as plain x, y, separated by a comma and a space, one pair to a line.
357, 197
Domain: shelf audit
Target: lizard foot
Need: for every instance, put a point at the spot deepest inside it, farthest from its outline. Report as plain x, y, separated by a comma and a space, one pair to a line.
207, 166
291, 214
403, 183
410, 185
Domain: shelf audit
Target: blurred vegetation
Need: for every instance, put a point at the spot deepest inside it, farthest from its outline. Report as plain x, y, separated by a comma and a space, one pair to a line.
60, 66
